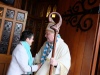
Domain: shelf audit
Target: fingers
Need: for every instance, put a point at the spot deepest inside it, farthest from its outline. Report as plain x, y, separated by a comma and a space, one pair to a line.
53, 62
39, 65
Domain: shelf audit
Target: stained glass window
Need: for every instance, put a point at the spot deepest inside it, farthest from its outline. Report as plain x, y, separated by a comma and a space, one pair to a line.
20, 16
5, 37
16, 36
10, 14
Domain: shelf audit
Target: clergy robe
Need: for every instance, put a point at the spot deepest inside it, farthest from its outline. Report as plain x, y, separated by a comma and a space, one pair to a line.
62, 56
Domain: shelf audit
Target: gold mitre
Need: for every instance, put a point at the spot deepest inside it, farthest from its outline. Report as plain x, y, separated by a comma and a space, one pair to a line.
49, 26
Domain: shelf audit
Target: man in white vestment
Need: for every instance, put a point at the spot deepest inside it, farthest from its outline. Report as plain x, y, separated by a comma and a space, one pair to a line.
62, 61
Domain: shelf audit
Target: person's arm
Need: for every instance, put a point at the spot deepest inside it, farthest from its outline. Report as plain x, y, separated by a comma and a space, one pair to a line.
22, 59
38, 55
55, 65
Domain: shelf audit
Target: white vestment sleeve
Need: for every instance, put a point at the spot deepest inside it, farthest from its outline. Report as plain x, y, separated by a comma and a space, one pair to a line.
57, 71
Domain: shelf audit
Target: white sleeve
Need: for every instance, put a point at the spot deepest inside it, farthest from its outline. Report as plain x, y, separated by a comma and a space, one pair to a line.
34, 68
33, 59
22, 59
57, 71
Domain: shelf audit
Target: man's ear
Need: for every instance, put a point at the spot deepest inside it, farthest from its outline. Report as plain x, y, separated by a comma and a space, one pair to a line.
27, 39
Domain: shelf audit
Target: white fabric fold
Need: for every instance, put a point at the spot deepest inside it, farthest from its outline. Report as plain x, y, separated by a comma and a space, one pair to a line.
62, 55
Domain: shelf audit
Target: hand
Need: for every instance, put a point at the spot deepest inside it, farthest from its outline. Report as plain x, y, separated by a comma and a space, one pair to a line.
53, 62
39, 65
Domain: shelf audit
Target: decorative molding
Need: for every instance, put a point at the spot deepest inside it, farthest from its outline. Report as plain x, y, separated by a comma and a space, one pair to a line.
76, 15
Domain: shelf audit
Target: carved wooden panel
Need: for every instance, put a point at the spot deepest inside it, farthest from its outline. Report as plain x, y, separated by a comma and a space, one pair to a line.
12, 23
81, 44
0, 23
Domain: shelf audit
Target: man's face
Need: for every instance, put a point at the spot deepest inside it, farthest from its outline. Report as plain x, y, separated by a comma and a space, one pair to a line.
50, 36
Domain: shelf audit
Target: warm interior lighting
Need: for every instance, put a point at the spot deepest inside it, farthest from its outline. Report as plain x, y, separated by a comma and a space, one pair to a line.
54, 10
1, 12
48, 11
53, 15
41, 13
